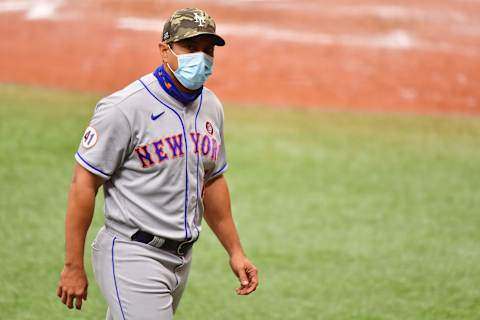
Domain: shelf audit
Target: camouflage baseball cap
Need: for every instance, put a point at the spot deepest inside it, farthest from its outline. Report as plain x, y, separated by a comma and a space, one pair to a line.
190, 22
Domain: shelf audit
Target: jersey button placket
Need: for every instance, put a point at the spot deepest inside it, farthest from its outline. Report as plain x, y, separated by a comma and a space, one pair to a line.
184, 129
191, 114
188, 163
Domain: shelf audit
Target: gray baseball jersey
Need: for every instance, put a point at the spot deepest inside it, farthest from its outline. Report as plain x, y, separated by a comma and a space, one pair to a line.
155, 155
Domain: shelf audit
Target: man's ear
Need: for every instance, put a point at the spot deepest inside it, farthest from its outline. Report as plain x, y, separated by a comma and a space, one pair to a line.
163, 51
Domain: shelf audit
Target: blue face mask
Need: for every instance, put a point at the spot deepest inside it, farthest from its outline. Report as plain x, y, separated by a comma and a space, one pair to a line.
193, 69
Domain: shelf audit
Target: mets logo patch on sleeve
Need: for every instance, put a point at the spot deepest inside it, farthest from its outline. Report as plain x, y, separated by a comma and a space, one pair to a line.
90, 137
209, 128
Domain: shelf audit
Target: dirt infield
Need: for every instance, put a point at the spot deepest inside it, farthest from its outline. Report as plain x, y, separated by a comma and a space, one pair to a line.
404, 56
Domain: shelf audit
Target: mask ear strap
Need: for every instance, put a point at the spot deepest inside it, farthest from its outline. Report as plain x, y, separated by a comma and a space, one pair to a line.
171, 50
170, 68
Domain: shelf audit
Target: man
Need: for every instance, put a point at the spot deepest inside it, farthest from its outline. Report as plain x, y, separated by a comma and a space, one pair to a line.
157, 148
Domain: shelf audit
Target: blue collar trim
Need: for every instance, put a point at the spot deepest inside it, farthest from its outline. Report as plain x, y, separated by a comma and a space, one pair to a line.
167, 83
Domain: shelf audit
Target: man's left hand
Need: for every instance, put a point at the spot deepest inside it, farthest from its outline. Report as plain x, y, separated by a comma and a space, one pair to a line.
246, 273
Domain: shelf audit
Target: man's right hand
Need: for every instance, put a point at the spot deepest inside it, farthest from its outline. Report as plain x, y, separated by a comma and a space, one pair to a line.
72, 286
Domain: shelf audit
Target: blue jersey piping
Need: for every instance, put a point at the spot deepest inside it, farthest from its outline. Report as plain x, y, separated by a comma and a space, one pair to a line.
114, 277
219, 170
88, 164
198, 159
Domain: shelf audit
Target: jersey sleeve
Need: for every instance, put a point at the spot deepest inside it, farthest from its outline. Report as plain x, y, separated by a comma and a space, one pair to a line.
105, 142
221, 164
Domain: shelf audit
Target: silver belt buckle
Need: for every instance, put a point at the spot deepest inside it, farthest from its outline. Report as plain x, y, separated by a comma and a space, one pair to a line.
157, 242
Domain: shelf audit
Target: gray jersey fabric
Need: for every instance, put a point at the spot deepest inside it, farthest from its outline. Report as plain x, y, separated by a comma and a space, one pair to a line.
155, 155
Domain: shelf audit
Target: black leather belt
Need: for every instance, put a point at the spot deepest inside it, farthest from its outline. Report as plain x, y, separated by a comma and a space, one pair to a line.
176, 247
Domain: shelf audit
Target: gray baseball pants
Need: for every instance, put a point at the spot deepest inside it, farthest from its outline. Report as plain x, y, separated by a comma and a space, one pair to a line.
137, 280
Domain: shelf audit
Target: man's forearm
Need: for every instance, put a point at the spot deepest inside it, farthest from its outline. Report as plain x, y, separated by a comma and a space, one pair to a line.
81, 204
218, 215
73, 285
225, 230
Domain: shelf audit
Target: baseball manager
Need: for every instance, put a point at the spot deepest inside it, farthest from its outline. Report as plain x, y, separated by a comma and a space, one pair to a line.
157, 147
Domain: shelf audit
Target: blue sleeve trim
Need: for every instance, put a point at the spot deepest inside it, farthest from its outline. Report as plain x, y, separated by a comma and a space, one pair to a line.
90, 166
218, 171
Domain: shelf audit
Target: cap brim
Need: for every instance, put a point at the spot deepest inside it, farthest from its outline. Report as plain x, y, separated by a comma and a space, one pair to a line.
217, 40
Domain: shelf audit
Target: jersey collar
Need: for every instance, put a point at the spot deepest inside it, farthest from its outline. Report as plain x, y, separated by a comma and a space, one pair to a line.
167, 83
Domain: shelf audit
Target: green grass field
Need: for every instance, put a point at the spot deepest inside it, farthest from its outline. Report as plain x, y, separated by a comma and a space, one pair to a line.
347, 216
